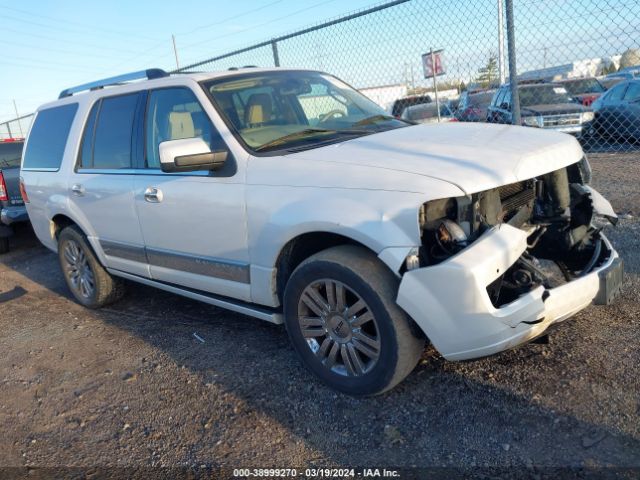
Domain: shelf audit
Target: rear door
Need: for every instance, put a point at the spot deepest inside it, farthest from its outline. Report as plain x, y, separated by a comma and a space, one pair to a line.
194, 223
101, 186
630, 111
608, 118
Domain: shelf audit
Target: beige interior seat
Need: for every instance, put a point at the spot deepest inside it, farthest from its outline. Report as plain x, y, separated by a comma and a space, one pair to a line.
258, 110
181, 125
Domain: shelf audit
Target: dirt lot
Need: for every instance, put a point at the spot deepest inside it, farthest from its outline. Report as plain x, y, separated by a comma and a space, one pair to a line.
131, 386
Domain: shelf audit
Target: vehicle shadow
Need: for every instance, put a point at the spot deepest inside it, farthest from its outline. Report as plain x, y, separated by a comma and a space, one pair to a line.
443, 414
516, 409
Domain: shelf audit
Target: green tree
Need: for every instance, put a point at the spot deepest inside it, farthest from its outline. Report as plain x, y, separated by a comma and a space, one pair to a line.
489, 73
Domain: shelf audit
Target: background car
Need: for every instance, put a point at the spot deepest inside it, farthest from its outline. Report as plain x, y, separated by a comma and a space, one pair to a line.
473, 106
542, 105
400, 104
617, 113
427, 113
584, 90
12, 209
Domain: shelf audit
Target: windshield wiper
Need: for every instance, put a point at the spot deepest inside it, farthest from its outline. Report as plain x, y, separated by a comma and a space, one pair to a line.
373, 119
306, 133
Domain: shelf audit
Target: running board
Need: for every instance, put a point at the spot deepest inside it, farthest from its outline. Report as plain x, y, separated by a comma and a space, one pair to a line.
263, 313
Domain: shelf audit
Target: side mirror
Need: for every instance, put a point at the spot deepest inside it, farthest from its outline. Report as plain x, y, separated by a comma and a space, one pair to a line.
190, 155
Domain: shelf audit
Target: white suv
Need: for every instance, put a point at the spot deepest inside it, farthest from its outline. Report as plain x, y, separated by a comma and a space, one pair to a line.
288, 196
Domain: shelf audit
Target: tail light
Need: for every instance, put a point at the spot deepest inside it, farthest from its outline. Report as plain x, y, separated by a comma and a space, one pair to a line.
23, 191
3, 189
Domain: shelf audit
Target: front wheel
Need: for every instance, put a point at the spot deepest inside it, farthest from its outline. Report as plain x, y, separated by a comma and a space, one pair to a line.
343, 322
89, 282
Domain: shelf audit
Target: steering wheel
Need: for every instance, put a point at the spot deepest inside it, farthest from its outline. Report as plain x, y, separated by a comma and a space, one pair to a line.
331, 114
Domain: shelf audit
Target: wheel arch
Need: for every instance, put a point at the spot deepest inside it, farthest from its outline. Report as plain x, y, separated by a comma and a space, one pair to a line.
301, 247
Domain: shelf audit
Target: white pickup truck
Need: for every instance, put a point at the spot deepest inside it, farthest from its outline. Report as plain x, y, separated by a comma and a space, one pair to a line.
289, 196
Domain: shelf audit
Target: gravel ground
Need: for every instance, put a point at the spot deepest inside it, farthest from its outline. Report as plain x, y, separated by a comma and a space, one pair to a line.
131, 386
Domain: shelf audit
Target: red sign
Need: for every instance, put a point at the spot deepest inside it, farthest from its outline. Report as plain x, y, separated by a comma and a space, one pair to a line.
433, 64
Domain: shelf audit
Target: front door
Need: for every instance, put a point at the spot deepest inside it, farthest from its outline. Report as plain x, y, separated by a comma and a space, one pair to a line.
193, 224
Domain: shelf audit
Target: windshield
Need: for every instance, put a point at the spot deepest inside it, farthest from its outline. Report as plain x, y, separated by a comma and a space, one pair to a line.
544, 95
481, 99
281, 110
10, 154
428, 110
588, 85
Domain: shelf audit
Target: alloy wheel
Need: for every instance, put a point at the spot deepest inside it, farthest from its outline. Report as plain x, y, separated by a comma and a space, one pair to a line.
78, 270
339, 327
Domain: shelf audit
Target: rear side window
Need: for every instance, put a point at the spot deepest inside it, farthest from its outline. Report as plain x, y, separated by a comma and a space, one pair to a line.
633, 92
617, 93
107, 139
48, 137
10, 154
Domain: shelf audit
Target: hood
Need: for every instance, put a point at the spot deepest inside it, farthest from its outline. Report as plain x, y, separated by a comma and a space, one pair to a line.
471, 156
554, 109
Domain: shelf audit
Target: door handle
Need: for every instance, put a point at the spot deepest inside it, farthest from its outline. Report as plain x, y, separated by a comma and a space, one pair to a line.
77, 189
153, 195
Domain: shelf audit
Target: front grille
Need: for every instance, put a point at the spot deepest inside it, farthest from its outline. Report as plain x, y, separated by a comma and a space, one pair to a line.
565, 120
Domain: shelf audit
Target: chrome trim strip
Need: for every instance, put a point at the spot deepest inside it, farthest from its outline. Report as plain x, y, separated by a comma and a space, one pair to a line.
208, 266
222, 302
124, 250
141, 171
39, 169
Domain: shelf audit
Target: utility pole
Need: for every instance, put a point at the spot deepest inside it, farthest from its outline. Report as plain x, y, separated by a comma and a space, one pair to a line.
513, 75
501, 70
15, 107
175, 50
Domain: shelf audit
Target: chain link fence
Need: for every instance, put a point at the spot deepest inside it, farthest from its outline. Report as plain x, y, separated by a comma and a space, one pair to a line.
577, 63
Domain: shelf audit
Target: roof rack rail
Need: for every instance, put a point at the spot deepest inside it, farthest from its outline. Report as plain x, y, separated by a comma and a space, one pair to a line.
149, 74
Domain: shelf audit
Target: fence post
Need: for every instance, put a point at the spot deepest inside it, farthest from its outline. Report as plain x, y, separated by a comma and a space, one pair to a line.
276, 57
513, 74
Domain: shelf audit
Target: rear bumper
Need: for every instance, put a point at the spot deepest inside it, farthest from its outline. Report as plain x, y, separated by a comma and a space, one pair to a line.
13, 214
449, 301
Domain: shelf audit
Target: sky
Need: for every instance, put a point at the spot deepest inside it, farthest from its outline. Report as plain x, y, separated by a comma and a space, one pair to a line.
50, 45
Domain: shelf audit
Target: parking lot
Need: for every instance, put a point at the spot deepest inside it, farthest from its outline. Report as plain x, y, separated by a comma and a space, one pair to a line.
132, 385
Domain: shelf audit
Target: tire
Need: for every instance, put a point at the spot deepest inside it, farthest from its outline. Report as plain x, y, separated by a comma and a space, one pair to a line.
363, 345
4, 244
90, 284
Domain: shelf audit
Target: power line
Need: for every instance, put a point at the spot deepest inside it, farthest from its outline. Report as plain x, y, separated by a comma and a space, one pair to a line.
231, 18
61, 20
56, 50
83, 44
260, 25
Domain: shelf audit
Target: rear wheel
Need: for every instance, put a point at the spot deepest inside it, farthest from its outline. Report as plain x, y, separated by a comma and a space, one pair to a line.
89, 282
343, 321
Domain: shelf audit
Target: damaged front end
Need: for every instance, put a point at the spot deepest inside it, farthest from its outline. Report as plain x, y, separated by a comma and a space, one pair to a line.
497, 268
562, 216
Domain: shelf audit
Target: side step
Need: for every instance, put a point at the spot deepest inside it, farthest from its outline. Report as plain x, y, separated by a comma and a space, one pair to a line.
263, 313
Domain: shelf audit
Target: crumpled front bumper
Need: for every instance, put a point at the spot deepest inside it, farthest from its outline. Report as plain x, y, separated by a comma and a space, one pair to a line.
449, 301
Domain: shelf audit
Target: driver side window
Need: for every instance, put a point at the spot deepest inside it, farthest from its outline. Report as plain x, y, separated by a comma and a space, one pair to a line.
173, 114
